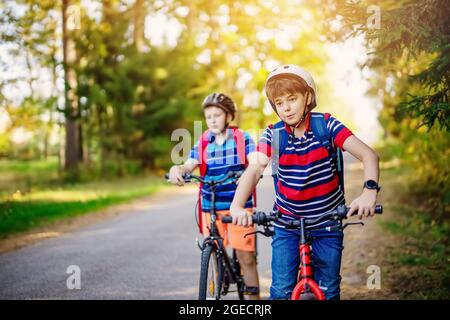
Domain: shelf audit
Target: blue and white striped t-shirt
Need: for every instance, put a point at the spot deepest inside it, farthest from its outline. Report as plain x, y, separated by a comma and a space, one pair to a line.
222, 159
308, 183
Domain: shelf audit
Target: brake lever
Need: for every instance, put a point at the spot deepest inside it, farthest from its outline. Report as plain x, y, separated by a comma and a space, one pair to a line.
352, 223
267, 232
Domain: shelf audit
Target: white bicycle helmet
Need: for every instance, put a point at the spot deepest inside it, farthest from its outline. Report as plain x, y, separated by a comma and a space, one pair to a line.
295, 70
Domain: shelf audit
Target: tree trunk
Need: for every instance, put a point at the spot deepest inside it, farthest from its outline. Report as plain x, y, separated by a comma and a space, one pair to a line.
139, 13
73, 144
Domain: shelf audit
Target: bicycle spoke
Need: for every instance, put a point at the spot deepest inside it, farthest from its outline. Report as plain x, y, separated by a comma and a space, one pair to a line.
210, 284
213, 282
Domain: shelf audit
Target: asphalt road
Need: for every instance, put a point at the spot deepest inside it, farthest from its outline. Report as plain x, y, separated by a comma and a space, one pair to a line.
149, 253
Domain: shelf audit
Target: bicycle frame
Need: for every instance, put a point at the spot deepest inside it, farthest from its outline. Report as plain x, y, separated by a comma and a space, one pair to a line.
305, 281
227, 267
216, 240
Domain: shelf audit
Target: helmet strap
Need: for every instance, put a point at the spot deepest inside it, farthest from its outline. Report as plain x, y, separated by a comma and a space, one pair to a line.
225, 128
302, 119
227, 124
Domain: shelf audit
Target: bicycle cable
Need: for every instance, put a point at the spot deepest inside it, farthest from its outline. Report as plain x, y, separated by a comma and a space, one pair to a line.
195, 213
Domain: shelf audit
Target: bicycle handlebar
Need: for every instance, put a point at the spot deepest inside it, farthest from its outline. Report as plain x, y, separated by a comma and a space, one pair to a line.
261, 218
339, 213
188, 178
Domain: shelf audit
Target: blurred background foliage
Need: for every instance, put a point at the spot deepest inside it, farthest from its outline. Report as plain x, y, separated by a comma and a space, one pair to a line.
410, 54
113, 91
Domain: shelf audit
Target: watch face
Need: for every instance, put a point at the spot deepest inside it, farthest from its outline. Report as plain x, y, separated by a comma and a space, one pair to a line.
371, 184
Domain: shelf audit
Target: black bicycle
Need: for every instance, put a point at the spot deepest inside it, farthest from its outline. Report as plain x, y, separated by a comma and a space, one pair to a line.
217, 271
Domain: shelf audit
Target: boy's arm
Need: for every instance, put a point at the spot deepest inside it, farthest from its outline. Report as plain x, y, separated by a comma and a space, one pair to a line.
176, 172
365, 203
248, 181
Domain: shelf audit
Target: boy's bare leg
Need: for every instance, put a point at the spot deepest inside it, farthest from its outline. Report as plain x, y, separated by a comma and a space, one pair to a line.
249, 270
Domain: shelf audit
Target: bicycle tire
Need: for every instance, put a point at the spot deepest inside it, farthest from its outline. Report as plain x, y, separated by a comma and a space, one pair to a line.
211, 265
307, 296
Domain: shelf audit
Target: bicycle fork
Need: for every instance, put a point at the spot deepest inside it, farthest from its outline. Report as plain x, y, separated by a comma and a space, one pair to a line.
306, 288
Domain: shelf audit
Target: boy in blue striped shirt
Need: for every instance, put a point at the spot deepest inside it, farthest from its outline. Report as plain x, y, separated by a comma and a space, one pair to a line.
222, 156
307, 180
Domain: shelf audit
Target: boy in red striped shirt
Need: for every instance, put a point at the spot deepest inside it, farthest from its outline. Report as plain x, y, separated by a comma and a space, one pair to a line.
307, 181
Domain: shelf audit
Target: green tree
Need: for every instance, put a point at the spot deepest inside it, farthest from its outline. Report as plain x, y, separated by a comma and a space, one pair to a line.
410, 57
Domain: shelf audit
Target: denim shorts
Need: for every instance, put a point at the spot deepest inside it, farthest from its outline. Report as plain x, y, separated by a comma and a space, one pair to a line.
326, 257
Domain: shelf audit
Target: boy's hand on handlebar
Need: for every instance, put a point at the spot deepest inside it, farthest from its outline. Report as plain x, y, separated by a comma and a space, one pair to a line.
241, 217
176, 176
364, 204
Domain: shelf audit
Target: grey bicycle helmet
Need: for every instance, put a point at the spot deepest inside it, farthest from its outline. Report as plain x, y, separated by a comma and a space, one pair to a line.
222, 101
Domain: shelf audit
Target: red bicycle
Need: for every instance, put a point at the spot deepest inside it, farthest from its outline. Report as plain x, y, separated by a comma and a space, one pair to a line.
306, 287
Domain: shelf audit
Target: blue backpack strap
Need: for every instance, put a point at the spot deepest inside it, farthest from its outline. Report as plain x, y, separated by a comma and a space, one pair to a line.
321, 132
279, 143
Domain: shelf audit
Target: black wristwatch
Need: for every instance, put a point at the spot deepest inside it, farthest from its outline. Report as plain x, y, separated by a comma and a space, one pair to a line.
371, 185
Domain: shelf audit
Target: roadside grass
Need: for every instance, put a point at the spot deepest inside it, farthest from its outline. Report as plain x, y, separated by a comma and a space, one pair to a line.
24, 175
420, 261
26, 205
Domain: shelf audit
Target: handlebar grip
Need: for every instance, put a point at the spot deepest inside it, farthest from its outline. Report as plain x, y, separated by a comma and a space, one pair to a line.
227, 219
378, 209
187, 177
259, 218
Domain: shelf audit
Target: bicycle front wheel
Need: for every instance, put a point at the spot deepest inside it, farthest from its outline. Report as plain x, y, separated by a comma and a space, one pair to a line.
210, 285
